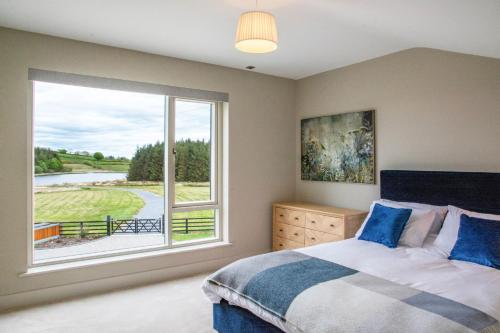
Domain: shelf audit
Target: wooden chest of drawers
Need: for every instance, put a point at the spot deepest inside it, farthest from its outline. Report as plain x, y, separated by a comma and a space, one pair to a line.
298, 225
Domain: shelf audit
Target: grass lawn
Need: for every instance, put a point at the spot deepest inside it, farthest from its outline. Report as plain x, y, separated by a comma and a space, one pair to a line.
156, 189
200, 219
191, 236
184, 192
91, 204
96, 202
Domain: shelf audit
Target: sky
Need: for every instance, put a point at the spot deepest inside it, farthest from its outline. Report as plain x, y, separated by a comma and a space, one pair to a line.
109, 121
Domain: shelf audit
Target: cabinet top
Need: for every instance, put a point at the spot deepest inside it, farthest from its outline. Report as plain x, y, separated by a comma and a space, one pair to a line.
322, 209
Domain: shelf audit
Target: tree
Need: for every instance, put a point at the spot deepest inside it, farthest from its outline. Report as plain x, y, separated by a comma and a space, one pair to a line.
38, 169
55, 164
43, 166
98, 156
62, 151
192, 162
48, 160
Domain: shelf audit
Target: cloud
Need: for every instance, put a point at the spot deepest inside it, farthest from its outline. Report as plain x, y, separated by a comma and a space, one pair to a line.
112, 122
192, 121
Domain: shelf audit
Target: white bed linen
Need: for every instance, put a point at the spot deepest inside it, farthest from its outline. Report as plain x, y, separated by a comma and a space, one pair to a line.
424, 268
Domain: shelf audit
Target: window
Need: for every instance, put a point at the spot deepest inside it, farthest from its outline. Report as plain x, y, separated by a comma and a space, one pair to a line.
195, 197
119, 170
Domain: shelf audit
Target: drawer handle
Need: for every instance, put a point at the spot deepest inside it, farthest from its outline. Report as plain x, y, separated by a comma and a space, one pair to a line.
281, 215
297, 218
313, 238
281, 229
332, 225
296, 234
313, 221
281, 244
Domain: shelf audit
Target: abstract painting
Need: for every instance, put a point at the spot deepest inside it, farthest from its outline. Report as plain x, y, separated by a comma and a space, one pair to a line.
339, 148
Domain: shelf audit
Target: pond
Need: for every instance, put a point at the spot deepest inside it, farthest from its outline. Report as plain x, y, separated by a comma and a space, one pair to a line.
79, 178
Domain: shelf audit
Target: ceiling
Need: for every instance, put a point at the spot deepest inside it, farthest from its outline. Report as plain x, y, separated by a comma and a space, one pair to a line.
314, 35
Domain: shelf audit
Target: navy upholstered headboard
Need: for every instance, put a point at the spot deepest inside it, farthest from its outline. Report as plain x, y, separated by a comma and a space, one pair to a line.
477, 191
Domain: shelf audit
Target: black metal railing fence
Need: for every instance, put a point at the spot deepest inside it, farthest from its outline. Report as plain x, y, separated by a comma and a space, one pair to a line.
134, 226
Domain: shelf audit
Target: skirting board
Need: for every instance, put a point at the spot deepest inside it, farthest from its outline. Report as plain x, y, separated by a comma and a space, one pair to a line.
59, 293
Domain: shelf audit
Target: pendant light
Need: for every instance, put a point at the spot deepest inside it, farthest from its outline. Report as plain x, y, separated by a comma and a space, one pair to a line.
256, 32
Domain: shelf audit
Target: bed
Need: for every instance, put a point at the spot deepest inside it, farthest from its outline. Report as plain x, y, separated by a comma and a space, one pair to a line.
361, 286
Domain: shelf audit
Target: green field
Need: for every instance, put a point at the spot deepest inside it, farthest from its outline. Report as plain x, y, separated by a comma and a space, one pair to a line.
184, 191
191, 236
96, 202
84, 163
86, 204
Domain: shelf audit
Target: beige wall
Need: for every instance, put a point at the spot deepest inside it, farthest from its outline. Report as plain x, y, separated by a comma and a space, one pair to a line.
435, 110
261, 165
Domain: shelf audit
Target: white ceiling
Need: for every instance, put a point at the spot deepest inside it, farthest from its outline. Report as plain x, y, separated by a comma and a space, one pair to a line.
314, 35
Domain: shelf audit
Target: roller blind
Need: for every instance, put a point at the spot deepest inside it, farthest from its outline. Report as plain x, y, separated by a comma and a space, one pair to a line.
124, 85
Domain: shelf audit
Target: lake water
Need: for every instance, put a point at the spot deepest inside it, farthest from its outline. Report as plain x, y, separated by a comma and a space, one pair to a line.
79, 178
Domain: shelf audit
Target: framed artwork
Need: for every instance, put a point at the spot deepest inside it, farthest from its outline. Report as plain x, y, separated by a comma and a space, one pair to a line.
339, 148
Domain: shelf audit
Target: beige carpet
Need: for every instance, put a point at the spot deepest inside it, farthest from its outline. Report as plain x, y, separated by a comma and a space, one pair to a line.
174, 306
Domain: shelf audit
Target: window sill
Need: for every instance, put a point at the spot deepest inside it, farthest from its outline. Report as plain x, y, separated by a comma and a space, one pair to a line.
56, 267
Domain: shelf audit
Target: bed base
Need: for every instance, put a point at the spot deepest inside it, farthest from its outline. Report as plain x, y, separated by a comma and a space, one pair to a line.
233, 319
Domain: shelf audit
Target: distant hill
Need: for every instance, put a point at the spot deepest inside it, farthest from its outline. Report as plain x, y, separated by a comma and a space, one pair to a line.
86, 163
49, 161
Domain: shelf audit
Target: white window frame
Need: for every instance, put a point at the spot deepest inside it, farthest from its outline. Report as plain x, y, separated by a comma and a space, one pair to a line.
216, 203
214, 149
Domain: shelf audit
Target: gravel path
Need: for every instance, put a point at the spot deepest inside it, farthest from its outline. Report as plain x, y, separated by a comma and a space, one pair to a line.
153, 204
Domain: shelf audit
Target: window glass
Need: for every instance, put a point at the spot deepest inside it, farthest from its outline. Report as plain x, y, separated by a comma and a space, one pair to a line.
193, 144
100, 161
98, 164
193, 225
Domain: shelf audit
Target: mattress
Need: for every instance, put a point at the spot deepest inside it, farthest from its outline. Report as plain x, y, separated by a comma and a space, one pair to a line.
425, 269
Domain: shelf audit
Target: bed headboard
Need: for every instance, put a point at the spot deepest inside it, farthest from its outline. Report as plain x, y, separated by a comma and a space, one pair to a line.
476, 191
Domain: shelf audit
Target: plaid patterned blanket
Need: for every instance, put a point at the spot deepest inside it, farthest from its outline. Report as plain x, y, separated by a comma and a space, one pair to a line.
307, 294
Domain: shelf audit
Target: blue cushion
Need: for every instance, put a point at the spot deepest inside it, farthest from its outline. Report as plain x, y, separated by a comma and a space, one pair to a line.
385, 225
478, 241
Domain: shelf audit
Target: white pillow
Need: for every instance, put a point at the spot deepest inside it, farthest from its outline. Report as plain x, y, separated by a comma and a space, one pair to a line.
360, 230
440, 212
448, 235
417, 228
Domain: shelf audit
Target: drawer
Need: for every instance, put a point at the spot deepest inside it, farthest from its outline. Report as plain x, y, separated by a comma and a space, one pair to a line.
290, 232
324, 223
295, 217
280, 215
285, 244
290, 216
314, 237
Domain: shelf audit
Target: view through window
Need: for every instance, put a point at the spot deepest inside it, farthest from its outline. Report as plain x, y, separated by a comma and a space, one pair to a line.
100, 166
195, 181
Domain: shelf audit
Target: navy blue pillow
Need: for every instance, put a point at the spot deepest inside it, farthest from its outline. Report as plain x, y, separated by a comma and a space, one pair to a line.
385, 225
478, 241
